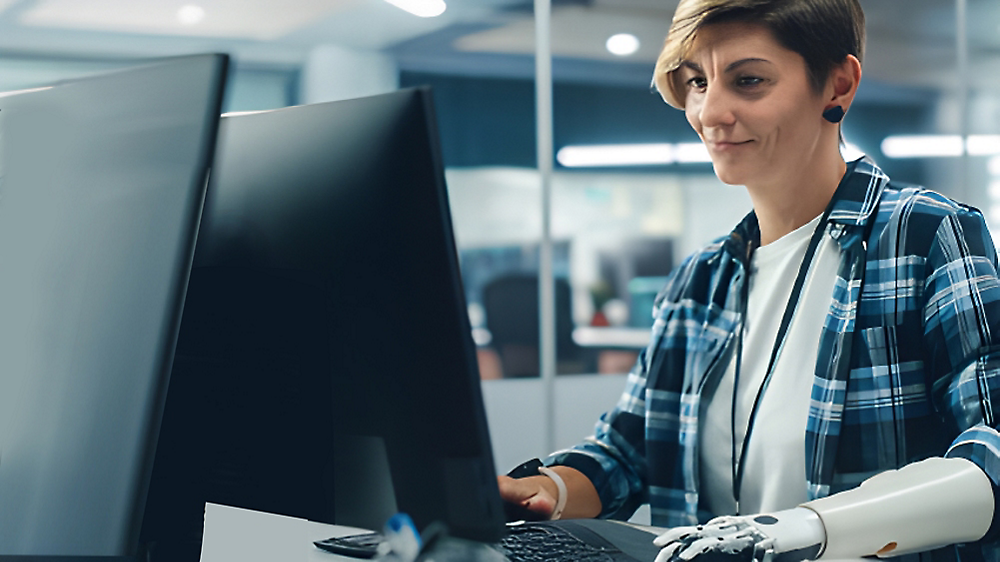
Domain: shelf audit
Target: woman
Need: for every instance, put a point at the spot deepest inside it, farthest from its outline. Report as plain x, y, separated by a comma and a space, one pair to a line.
847, 327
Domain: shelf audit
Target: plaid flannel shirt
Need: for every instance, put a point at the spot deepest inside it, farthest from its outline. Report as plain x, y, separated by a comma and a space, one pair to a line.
908, 360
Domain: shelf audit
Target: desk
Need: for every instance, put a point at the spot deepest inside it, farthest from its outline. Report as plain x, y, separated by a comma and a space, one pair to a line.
607, 337
251, 536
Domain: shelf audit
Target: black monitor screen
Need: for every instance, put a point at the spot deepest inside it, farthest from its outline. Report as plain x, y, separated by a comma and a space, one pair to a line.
326, 326
103, 181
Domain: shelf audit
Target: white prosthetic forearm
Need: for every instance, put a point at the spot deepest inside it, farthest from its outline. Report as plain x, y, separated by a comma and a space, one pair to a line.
924, 505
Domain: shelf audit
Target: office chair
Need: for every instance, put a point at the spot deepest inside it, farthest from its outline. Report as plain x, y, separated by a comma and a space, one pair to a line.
511, 304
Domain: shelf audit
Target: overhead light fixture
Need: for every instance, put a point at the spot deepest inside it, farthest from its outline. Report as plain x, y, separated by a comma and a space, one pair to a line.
613, 155
691, 153
622, 44
655, 154
922, 146
940, 146
421, 8
983, 145
190, 14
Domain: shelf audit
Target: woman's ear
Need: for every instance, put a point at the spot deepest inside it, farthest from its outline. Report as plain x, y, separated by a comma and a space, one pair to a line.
843, 84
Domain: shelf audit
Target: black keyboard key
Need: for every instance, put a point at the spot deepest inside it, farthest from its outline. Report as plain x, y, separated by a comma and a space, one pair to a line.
542, 543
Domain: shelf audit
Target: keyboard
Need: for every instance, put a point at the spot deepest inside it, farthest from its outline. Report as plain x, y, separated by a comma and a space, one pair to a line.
543, 543
547, 541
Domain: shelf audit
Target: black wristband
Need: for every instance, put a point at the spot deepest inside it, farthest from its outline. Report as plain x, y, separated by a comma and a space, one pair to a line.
526, 468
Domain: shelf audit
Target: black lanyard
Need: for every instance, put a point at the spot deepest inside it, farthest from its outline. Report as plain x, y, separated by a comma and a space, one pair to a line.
739, 464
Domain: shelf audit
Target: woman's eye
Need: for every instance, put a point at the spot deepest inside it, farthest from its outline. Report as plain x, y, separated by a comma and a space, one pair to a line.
749, 81
697, 83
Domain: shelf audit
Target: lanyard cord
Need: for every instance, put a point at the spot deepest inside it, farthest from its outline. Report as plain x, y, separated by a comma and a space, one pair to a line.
739, 463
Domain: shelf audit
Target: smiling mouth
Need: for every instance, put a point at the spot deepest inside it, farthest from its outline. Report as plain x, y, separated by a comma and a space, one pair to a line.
722, 145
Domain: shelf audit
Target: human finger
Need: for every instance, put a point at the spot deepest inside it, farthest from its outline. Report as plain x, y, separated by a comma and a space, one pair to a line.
516, 490
527, 493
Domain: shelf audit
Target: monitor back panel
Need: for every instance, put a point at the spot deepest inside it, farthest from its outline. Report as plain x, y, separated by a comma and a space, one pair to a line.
102, 188
326, 268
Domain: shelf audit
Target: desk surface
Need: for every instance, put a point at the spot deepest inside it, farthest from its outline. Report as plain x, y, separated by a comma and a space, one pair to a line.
623, 338
251, 536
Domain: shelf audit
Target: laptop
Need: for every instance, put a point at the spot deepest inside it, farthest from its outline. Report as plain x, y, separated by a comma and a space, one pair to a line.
102, 181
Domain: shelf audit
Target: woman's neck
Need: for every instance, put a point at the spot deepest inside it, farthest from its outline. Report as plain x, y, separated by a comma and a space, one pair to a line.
796, 197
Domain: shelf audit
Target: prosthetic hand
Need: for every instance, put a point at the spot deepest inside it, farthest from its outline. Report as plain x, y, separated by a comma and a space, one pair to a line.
924, 505
793, 535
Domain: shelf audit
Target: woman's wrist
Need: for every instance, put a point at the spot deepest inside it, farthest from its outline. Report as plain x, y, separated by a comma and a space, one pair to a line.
562, 494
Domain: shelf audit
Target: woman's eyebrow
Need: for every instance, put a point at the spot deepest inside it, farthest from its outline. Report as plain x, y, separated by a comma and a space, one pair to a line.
731, 67
692, 65
734, 65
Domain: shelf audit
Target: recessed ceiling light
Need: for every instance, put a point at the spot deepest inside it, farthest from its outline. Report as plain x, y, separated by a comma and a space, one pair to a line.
421, 8
190, 14
622, 44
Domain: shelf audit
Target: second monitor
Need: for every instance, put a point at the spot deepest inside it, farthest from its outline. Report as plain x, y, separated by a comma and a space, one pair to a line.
325, 294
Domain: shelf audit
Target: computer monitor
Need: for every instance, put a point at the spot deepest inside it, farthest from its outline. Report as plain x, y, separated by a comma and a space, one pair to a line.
103, 182
324, 306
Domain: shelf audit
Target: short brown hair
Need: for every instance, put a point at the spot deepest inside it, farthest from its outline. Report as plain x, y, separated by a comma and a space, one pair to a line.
824, 32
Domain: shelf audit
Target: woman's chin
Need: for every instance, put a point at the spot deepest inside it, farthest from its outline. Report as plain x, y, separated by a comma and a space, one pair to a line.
728, 175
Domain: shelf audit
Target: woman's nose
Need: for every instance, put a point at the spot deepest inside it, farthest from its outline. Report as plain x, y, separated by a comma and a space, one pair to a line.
716, 107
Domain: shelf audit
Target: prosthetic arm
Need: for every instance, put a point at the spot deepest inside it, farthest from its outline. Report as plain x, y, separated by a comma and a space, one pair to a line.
924, 505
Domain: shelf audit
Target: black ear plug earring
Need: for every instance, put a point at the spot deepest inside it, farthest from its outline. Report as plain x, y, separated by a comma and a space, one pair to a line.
834, 114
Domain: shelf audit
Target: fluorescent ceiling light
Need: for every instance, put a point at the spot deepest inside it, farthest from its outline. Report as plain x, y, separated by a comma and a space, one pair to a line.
609, 155
622, 44
983, 145
653, 154
933, 146
615, 155
922, 146
421, 8
190, 14
691, 152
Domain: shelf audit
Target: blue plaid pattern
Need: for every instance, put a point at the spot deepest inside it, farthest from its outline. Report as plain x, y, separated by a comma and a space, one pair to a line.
908, 360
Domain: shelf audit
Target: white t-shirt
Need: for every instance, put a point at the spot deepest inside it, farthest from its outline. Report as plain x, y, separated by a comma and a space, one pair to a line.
775, 476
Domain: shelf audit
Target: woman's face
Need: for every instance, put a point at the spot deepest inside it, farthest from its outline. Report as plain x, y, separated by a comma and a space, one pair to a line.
750, 100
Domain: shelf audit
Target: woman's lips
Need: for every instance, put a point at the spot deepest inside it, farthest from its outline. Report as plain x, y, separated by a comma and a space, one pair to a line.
727, 145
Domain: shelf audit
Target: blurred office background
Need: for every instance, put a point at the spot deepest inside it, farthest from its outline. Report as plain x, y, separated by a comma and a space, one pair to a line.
928, 112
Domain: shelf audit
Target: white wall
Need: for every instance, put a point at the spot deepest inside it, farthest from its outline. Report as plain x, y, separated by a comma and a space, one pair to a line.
516, 418
335, 73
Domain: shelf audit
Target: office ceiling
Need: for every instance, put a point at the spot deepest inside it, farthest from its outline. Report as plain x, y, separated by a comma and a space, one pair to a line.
911, 42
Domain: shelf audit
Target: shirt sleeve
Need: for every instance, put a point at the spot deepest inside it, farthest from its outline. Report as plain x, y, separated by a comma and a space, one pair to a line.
962, 331
614, 457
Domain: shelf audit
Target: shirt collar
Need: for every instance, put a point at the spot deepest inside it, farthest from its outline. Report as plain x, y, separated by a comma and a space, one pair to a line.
856, 199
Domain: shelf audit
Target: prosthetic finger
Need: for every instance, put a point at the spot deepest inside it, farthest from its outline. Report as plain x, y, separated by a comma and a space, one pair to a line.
731, 545
676, 534
667, 552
